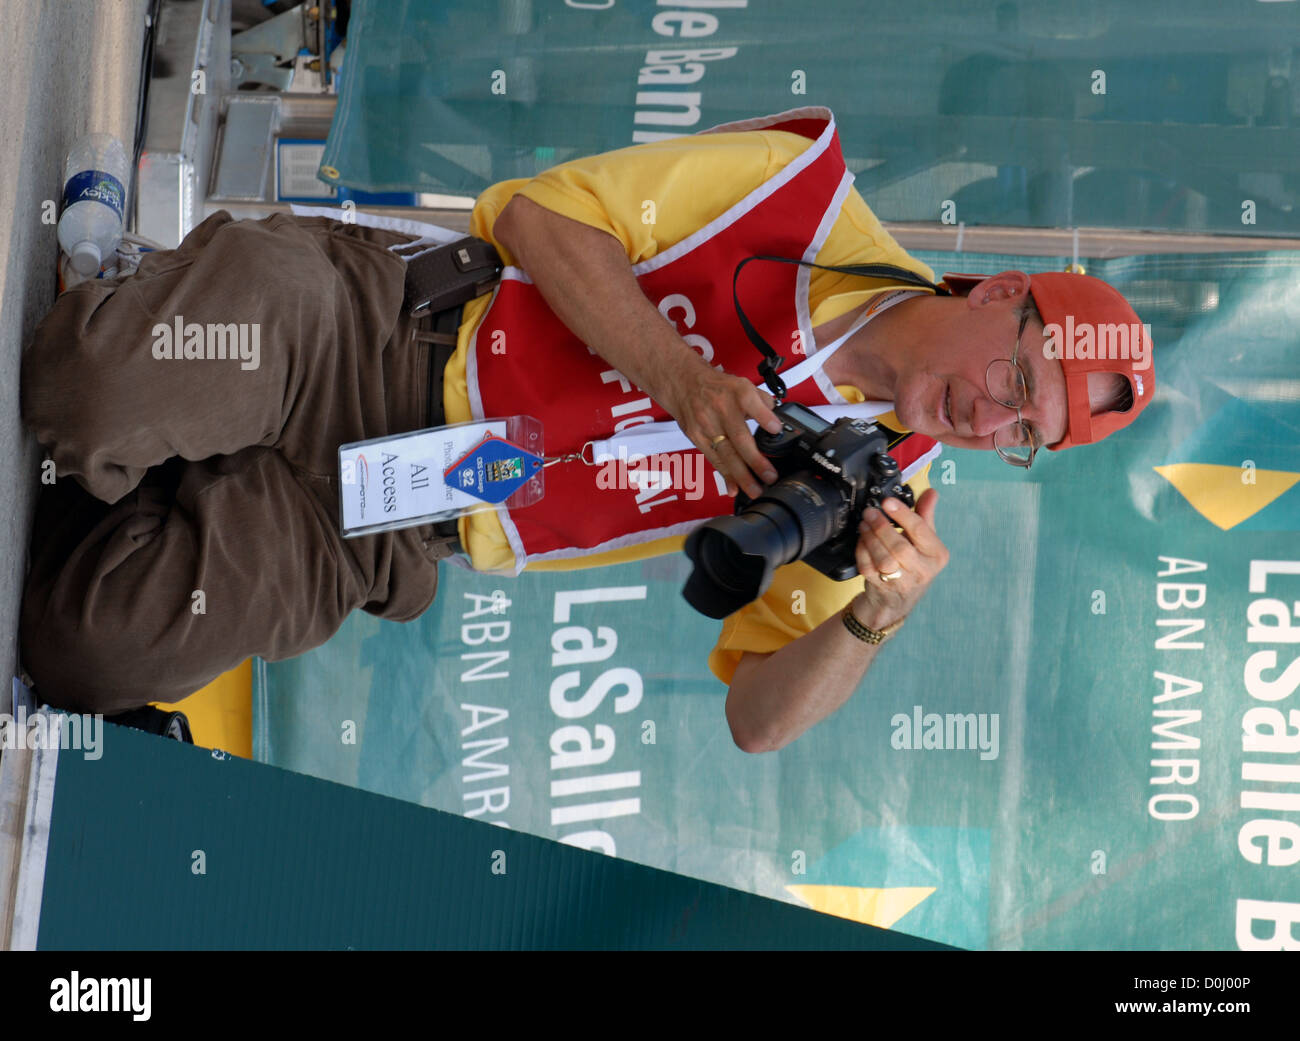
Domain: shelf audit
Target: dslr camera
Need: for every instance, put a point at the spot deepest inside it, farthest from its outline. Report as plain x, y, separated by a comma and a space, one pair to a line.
828, 475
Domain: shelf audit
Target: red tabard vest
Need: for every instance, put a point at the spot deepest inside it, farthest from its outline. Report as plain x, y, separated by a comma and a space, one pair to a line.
547, 372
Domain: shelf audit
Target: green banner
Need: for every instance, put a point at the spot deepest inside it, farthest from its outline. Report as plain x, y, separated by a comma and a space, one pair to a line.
1169, 114
1085, 737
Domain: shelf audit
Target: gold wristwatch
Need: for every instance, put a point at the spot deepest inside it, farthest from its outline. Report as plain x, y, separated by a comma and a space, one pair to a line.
871, 636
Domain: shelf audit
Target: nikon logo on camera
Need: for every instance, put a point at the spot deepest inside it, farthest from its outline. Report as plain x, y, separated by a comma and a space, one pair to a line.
826, 463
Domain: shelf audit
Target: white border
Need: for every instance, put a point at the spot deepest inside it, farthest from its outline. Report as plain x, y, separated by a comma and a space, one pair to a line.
29, 888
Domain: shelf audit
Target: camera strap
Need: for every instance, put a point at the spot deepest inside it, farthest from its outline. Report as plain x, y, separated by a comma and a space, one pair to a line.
767, 368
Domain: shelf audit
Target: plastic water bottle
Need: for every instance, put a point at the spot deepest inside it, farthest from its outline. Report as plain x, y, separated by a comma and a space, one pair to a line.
94, 177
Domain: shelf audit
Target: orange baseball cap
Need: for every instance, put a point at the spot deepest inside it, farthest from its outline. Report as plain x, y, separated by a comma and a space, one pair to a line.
1089, 327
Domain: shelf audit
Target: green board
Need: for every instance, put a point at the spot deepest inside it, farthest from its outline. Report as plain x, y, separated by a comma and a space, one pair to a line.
155, 845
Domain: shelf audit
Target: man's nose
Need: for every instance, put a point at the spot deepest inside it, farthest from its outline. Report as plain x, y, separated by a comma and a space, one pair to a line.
990, 416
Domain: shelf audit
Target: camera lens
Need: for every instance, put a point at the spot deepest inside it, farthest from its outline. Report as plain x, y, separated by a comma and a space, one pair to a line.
735, 557
814, 504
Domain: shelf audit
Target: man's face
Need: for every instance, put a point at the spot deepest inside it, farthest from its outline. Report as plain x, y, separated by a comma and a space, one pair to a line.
941, 390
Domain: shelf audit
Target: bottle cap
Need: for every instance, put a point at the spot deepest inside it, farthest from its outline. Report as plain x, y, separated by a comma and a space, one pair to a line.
86, 258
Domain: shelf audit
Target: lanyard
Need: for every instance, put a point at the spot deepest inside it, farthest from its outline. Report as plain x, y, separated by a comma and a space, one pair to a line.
773, 361
647, 439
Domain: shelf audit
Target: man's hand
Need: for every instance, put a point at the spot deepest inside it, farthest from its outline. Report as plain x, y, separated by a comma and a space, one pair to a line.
707, 402
916, 551
778, 696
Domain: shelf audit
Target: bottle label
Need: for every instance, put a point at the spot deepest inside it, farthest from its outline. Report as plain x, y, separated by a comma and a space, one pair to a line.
98, 185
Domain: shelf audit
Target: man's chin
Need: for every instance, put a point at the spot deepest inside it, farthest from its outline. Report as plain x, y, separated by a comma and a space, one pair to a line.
921, 424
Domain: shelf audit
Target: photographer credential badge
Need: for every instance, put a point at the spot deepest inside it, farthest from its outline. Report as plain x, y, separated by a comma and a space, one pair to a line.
492, 469
436, 474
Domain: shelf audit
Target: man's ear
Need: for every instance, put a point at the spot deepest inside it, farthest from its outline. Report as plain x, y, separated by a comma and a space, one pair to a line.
1003, 286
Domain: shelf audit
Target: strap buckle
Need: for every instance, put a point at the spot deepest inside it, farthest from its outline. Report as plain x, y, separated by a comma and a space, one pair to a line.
767, 369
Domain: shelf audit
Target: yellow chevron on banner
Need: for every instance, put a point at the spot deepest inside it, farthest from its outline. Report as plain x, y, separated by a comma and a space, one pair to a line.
878, 907
1218, 495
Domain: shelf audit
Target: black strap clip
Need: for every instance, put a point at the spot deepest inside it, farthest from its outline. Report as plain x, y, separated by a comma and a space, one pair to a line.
767, 369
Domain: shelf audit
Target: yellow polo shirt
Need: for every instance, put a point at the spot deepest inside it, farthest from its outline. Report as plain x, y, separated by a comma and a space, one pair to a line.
691, 180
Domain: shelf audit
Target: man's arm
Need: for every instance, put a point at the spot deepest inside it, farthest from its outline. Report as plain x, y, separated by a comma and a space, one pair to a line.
585, 277
776, 697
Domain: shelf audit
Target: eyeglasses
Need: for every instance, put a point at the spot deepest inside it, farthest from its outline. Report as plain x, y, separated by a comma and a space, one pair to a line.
1016, 443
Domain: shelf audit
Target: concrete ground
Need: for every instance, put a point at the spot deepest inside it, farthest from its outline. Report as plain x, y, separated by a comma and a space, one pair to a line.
67, 67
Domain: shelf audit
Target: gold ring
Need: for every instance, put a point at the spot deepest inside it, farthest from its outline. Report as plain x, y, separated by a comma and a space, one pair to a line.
717, 440
890, 576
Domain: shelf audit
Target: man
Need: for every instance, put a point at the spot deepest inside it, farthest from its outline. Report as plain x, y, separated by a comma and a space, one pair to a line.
244, 522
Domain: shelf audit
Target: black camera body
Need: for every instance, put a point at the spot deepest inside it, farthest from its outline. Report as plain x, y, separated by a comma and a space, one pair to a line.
850, 455
828, 475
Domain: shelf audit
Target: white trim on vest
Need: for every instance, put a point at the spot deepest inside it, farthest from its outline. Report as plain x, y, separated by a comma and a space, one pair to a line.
922, 462
804, 292
425, 234
728, 217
